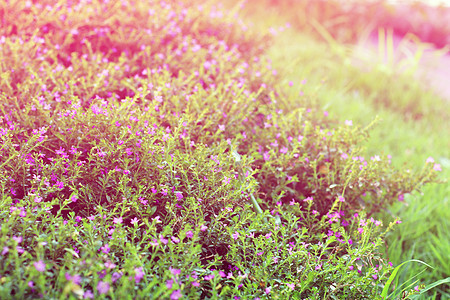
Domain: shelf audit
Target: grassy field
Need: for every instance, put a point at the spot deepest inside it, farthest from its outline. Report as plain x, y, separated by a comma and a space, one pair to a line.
411, 124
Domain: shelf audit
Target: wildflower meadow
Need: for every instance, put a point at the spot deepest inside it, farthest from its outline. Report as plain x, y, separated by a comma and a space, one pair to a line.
154, 150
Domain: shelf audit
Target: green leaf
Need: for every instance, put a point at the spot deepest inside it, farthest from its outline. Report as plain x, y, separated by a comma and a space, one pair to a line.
394, 273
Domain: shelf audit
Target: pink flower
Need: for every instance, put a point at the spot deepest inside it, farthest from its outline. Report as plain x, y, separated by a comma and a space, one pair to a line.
176, 295
17, 239
163, 240
88, 295
195, 283
103, 287
116, 276
175, 271
203, 227
209, 277
437, 167
169, 284
139, 274
118, 220
235, 235
189, 234
105, 249
341, 199
308, 199
75, 278
39, 265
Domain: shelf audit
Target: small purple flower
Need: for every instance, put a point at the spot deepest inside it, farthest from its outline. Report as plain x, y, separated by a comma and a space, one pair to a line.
176, 295
74, 198
75, 278
39, 265
163, 240
195, 283
103, 287
235, 235
88, 295
291, 285
17, 239
189, 234
116, 276
175, 271
139, 274
437, 167
209, 277
105, 249
169, 284
109, 264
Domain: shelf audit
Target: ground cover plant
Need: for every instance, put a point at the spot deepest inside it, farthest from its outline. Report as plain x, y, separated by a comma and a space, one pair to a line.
149, 150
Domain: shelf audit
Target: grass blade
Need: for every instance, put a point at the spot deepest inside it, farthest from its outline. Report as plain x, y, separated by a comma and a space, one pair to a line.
394, 273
